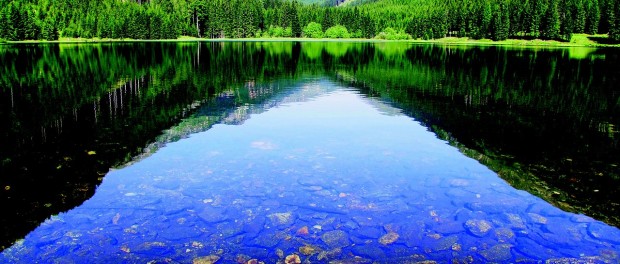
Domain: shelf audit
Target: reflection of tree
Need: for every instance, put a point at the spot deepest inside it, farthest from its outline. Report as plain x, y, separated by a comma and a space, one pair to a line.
74, 111
534, 115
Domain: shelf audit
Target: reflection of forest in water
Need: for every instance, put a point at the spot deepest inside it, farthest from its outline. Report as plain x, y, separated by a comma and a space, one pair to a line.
545, 120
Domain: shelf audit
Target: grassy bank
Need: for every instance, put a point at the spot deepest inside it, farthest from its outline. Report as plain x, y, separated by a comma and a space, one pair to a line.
578, 40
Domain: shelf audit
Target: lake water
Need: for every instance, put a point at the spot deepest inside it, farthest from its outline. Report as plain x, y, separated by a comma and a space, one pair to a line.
330, 152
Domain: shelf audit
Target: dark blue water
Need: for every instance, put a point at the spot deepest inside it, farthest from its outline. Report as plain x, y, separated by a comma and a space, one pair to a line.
321, 172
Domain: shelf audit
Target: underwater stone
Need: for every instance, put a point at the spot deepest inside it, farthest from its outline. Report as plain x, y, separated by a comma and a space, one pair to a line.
254, 226
515, 221
324, 255
206, 260
499, 252
303, 231
539, 219
412, 234
228, 230
179, 232
534, 250
265, 240
152, 248
369, 251
369, 232
498, 205
292, 259
478, 228
582, 219
351, 225
389, 238
451, 227
363, 220
459, 182
503, 234
308, 250
213, 215
444, 243
284, 219
604, 233
335, 239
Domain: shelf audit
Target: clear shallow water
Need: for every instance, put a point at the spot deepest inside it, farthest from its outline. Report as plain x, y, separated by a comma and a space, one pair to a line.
328, 174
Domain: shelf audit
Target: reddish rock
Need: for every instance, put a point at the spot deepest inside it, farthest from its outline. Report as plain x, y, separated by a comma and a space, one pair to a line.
302, 231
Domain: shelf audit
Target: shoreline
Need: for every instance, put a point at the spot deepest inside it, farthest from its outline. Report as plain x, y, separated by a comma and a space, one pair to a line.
579, 40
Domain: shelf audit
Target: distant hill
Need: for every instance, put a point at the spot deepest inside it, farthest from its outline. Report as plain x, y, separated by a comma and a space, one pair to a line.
309, 2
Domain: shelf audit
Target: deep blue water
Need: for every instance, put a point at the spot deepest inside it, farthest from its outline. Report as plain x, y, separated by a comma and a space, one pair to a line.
322, 172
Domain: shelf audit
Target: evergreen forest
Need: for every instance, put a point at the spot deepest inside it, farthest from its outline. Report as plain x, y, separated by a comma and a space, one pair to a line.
384, 19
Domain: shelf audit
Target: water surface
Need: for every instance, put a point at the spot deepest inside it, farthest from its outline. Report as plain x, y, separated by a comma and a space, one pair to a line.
350, 152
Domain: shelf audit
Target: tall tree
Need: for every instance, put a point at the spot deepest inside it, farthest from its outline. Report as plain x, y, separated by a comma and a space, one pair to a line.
593, 16
551, 21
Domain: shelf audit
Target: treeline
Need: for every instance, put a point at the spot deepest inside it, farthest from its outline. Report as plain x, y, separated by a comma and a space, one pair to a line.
497, 19
389, 19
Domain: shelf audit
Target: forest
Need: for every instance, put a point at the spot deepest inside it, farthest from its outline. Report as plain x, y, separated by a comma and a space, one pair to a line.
383, 19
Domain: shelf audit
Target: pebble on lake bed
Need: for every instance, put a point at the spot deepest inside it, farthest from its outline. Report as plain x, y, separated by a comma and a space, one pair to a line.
292, 259
207, 260
308, 250
302, 231
336, 239
389, 238
478, 228
281, 218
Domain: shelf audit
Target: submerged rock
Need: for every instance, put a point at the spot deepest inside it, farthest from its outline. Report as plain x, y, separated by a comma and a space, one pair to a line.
302, 231
499, 252
308, 250
206, 260
292, 259
213, 215
368, 232
285, 219
445, 243
478, 228
336, 239
280, 253
536, 218
370, 251
152, 248
388, 238
324, 255
515, 221
504, 234
604, 233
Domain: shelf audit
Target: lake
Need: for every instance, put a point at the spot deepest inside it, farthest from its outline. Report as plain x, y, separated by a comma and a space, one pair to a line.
322, 152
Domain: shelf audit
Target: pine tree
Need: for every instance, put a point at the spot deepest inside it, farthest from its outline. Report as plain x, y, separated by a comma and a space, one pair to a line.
593, 16
295, 25
328, 20
17, 22
484, 26
501, 22
614, 21
551, 21
6, 27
